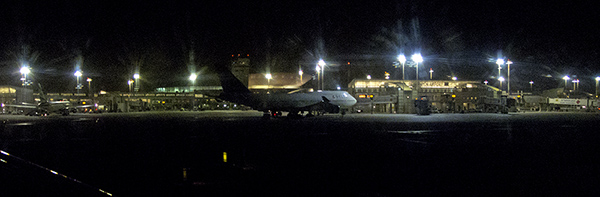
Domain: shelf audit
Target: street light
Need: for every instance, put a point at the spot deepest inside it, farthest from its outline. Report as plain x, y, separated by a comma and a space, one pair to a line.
318, 69
499, 62
531, 85
130, 83
89, 80
136, 76
454, 78
368, 76
24, 71
417, 58
192, 78
566, 77
402, 60
430, 73
322, 65
78, 75
486, 82
597, 79
501, 79
575, 84
300, 73
508, 80
269, 77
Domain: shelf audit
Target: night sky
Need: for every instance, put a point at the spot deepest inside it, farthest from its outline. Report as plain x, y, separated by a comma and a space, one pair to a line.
456, 38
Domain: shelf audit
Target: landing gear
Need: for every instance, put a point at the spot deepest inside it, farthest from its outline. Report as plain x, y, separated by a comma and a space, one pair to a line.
269, 114
295, 114
266, 115
276, 113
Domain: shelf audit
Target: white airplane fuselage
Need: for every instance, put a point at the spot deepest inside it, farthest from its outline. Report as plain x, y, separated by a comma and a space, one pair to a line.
301, 101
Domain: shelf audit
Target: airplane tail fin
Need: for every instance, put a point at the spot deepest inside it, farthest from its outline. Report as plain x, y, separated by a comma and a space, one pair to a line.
229, 82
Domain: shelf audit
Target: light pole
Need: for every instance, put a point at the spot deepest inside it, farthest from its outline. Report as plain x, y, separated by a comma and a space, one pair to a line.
78, 75
566, 77
130, 83
499, 62
508, 74
322, 65
417, 58
269, 77
89, 80
531, 85
501, 79
430, 73
402, 60
300, 73
24, 71
192, 78
136, 76
318, 69
597, 80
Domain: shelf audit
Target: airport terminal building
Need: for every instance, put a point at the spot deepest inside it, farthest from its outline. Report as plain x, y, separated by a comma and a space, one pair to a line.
397, 96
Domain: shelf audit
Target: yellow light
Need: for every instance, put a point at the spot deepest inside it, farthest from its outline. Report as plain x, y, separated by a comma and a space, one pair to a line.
224, 157
454, 96
370, 96
163, 102
184, 173
83, 102
362, 96
519, 96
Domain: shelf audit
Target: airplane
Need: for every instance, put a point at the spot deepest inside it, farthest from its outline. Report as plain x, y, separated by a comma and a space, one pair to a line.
45, 107
272, 104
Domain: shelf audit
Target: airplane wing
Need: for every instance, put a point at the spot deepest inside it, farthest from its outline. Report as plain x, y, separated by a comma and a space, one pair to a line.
84, 106
21, 106
59, 102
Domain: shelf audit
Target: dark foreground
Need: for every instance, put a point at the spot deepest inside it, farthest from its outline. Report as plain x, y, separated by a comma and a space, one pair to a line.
182, 154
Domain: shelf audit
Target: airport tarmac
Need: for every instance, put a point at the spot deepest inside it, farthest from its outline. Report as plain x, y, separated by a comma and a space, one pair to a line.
240, 153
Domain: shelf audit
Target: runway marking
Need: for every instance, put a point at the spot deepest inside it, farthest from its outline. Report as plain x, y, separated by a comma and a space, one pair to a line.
414, 141
21, 124
413, 132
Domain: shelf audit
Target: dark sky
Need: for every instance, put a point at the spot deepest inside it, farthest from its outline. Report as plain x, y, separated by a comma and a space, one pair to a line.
543, 38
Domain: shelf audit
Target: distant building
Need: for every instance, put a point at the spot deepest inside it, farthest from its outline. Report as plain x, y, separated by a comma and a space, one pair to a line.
287, 81
397, 96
